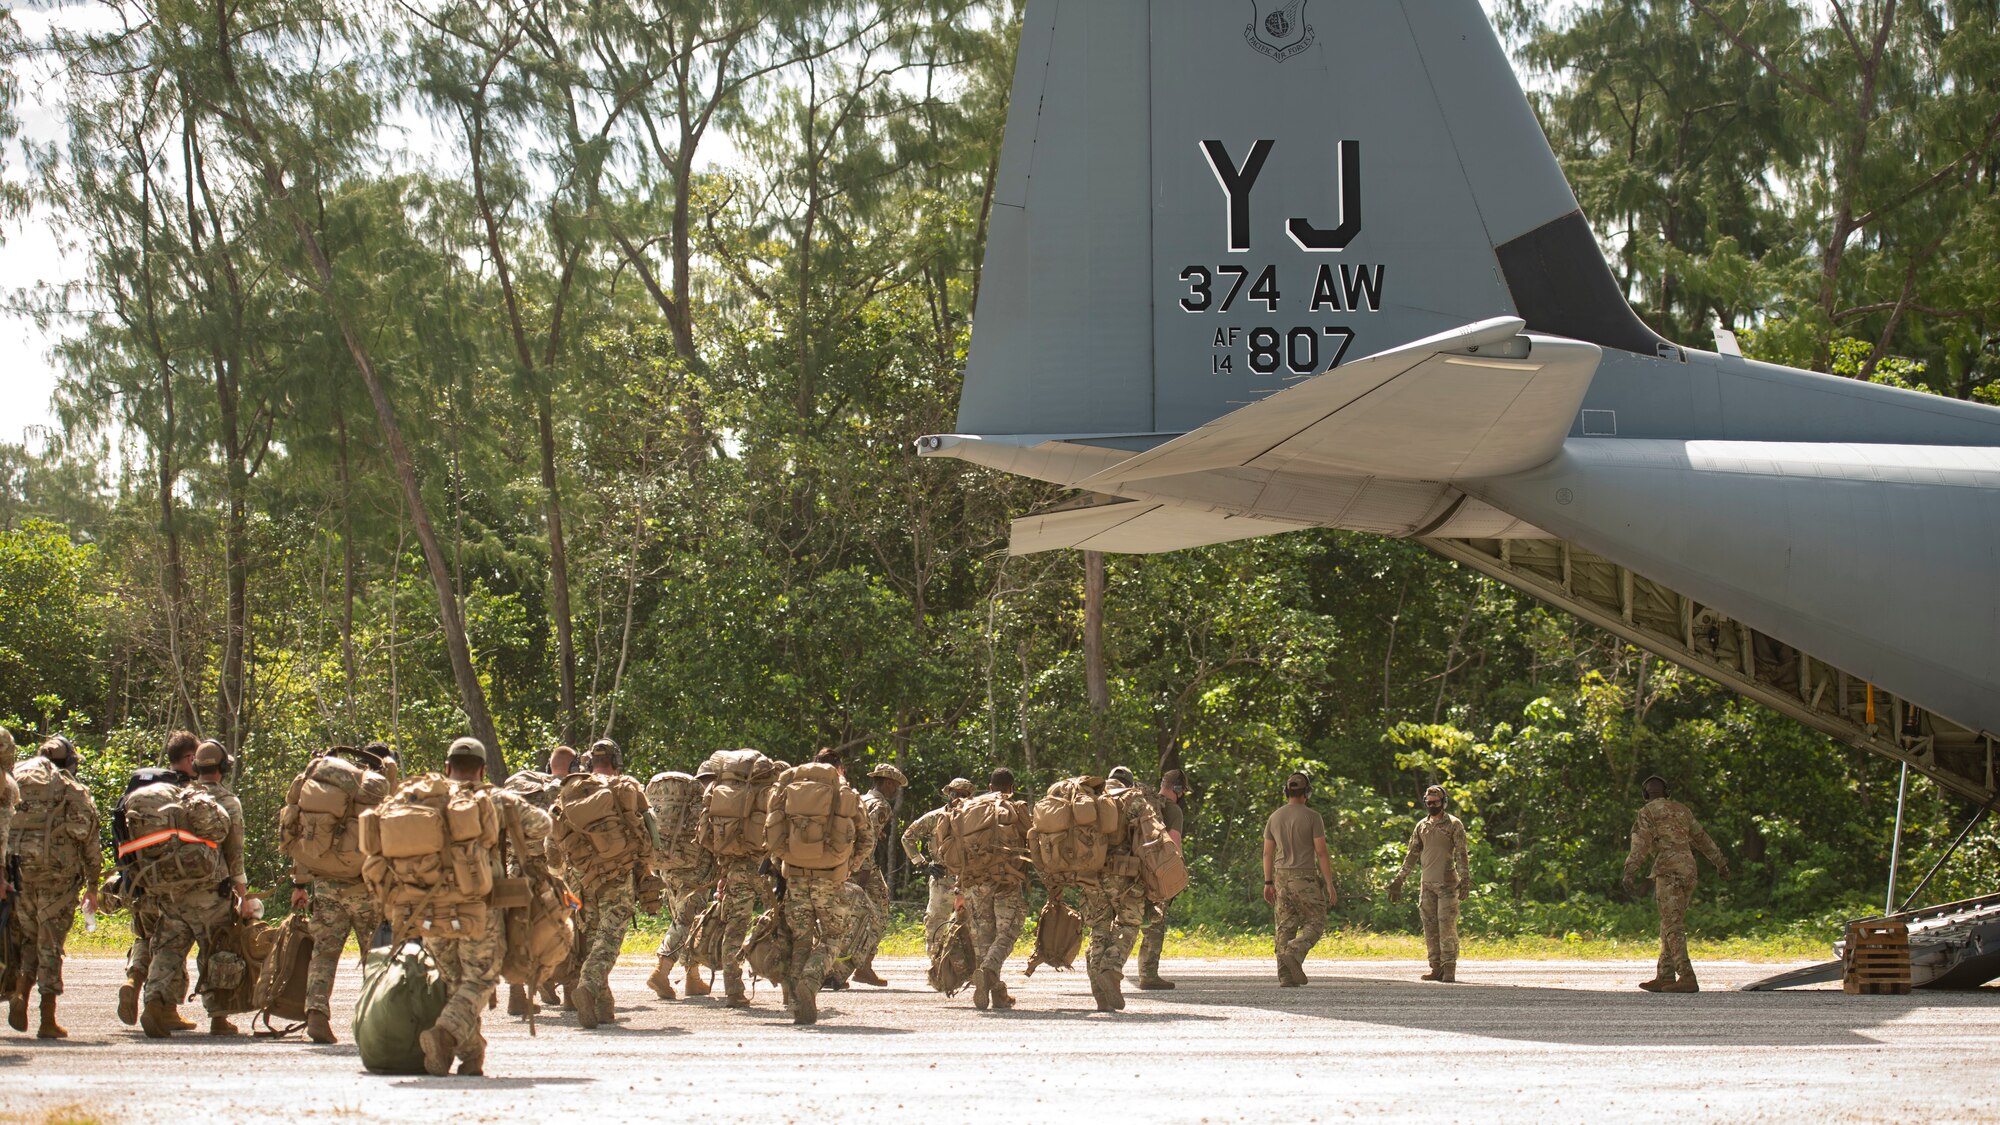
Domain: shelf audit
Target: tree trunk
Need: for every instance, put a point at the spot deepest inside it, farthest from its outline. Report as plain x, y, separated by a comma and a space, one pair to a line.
558, 572
1097, 685
349, 666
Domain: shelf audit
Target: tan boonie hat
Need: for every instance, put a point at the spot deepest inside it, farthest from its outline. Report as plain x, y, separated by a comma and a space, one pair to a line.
890, 772
958, 787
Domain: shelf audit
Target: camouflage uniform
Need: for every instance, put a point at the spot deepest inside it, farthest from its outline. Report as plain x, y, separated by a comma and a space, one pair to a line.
1438, 850
44, 906
1153, 942
1114, 907
686, 896
943, 888
876, 813
338, 907
608, 910
745, 894
239, 883
996, 913
470, 967
1301, 910
1667, 831
816, 912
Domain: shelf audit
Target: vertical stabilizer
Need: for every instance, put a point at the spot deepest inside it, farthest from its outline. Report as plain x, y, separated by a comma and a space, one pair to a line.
1199, 201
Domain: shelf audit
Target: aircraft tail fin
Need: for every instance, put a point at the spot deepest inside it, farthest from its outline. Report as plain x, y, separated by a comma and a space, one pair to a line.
1199, 201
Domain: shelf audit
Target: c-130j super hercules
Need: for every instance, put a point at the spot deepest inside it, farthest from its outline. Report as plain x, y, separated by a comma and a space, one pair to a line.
1258, 266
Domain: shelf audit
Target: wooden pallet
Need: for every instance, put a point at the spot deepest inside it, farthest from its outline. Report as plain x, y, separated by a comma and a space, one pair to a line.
1878, 959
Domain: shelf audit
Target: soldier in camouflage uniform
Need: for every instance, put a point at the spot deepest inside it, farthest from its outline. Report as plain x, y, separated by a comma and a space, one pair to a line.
610, 899
815, 905
339, 907
943, 888
1153, 941
54, 841
1294, 844
745, 893
470, 966
1114, 905
877, 810
1438, 849
1667, 831
211, 761
996, 908
192, 913
145, 909
687, 894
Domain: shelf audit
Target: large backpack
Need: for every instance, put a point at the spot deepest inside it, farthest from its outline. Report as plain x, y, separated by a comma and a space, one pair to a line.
734, 808
535, 787
53, 823
231, 963
952, 960
813, 819
600, 826
537, 909
984, 840
1058, 936
676, 802
402, 995
1161, 866
1073, 829
176, 834
319, 827
428, 853
704, 941
280, 993
767, 948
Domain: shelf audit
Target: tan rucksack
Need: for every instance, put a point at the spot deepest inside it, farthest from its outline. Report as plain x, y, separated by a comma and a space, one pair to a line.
536, 906
53, 823
1161, 866
600, 826
319, 828
952, 960
174, 839
428, 852
676, 802
814, 819
984, 840
734, 808
767, 948
1073, 829
535, 787
1058, 936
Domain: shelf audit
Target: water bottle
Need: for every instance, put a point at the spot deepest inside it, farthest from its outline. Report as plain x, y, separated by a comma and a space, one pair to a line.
89, 918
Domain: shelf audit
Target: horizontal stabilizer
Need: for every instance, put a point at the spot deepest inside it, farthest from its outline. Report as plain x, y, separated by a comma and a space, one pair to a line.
1476, 402
1132, 527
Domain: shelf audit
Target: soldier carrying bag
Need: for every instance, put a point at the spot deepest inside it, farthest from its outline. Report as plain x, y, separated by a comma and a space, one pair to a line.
600, 826
176, 833
984, 840
704, 943
675, 799
812, 818
231, 966
734, 807
51, 824
538, 912
319, 826
1072, 830
1058, 935
767, 948
280, 992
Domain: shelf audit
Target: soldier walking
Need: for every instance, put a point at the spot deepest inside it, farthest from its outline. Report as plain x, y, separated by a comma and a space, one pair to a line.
52, 845
687, 868
815, 830
179, 863
919, 846
1153, 939
1114, 904
732, 828
1298, 878
211, 762
992, 840
1438, 849
877, 807
1667, 831
604, 829
320, 829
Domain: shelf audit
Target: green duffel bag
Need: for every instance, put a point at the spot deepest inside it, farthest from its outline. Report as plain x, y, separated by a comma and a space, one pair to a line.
401, 996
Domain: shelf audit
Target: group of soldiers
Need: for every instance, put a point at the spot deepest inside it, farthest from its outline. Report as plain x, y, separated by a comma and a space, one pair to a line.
743, 842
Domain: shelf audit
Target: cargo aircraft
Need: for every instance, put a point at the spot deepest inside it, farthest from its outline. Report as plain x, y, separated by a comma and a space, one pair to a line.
1256, 265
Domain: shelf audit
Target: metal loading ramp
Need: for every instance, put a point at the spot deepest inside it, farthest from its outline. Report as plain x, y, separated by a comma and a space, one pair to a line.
1952, 945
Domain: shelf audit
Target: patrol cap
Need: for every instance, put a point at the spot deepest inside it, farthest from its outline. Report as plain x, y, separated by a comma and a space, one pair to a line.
1122, 775
890, 772
210, 755
467, 748
1174, 780
958, 787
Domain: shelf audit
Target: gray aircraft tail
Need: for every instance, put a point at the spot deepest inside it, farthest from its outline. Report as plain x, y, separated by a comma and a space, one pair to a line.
1200, 201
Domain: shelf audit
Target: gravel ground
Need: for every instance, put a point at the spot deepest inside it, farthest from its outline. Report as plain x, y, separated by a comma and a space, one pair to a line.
1515, 1040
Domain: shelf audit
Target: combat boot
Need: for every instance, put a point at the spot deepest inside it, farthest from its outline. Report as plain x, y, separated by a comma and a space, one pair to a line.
1449, 974
833, 983
1290, 975
549, 996
805, 1011
439, 1050
660, 984
1097, 991
1002, 1000
17, 1005
982, 994
733, 985
695, 985
220, 1025
1150, 979
50, 1029
1661, 982
1685, 982
607, 1008
180, 1022
473, 1065
318, 1028
128, 1001
866, 974
569, 995
157, 1019
585, 999
1436, 973
517, 1000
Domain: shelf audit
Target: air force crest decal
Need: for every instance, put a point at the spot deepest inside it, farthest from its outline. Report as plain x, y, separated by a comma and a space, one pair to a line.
1277, 28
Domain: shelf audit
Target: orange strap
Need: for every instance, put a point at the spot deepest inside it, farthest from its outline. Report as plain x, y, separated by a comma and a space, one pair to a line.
161, 837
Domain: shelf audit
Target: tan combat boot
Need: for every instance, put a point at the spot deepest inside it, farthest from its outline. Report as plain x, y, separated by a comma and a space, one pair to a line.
866, 974
1002, 1000
518, 1003
158, 1019
319, 1029
50, 1029
585, 999
128, 1001
473, 1065
1290, 975
550, 998
1684, 982
695, 984
220, 1025
805, 1009
1150, 979
17, 1005
607, 1008
439, 1050
659, 982
733, 984
1661, 982
1105, 986
982, 996
1449, 974
1436, 972
180, 1022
